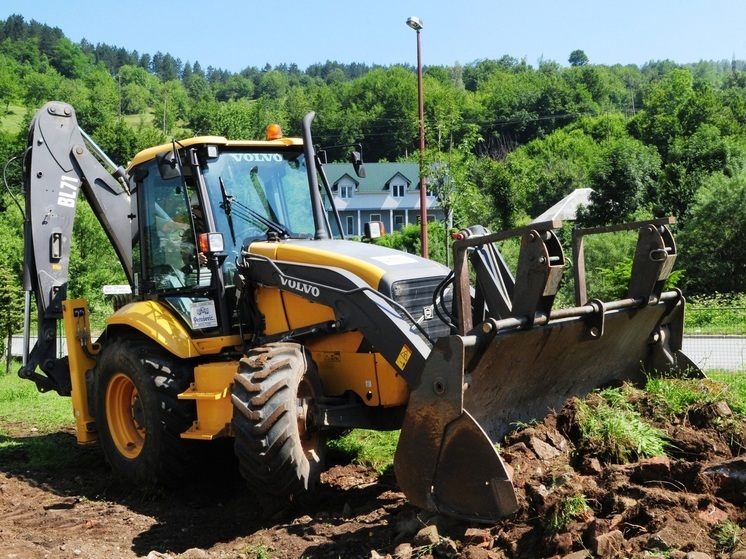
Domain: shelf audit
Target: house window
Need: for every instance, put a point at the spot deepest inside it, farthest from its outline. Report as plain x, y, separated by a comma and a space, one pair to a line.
375, 217
398, 190
350, 222
346, 191
398, 222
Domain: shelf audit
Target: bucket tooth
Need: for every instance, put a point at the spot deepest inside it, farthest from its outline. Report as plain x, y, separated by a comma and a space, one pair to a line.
444, 460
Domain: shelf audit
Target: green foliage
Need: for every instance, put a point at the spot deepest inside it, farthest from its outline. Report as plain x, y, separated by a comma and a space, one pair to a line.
570, 508
11, 305
613, 430
727, 536
712, 238
372, 449
675, 397
719, 313
621, 178
409, 239
505, 140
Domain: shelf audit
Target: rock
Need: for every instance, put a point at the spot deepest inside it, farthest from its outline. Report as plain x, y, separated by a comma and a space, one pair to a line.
194, 553
403, 551
478, 537
656, 541
738, 555
722, 409
446, 549
578, 555
697, 555
656, 468
426, 537
728, 475
591, 466
159, 555
543, 451
347, 511
609, 545
407, 523
712, 515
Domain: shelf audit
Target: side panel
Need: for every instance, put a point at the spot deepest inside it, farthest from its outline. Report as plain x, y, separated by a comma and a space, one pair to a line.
161, 326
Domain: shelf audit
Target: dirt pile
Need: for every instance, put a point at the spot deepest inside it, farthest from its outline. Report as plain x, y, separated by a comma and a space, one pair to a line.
573, 503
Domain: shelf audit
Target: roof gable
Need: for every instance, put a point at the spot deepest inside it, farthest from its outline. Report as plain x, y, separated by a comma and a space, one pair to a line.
378, 176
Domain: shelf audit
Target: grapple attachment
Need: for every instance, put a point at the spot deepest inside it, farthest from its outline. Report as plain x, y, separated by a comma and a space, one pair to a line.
525, 359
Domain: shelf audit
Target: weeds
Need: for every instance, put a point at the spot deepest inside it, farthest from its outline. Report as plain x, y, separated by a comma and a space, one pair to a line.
372, 449
613, 430
727, 536
564, 512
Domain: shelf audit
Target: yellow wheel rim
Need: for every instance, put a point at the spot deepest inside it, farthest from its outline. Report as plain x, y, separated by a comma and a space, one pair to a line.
124, 414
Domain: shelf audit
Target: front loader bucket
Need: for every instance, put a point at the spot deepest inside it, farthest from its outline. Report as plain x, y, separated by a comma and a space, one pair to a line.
523, 374
525, 360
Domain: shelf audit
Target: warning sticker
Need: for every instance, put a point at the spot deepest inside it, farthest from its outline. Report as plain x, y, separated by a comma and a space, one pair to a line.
403, 358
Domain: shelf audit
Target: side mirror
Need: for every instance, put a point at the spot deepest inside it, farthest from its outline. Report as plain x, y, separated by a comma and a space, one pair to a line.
374, 229
168, 165
357, 163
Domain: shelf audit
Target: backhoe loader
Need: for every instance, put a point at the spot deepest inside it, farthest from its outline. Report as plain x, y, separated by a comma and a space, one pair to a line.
248, 315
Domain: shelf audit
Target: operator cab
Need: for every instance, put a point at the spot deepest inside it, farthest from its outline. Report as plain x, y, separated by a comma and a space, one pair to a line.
191, 190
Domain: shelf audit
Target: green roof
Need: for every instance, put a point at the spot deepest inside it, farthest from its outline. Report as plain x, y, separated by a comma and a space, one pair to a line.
377, 175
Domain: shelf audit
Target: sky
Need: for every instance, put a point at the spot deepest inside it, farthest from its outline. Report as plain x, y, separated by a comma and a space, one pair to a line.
236, 34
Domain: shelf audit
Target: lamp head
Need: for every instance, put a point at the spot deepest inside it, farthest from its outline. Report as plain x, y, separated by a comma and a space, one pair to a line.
415, 23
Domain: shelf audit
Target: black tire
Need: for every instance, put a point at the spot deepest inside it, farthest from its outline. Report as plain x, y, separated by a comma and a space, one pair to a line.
138, 415
280, 455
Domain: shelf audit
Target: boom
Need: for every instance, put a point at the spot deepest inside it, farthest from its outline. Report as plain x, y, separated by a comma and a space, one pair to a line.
57, 166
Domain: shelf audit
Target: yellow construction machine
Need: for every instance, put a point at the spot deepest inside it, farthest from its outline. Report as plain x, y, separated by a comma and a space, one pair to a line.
248, 315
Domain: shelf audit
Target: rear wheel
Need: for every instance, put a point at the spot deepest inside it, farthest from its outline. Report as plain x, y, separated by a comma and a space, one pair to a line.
280, 454
138, 415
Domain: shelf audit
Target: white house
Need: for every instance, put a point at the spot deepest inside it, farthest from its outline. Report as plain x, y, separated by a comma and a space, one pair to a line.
390, 193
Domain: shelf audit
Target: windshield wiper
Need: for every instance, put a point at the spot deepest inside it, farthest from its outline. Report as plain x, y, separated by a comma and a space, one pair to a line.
227, 209
230, 203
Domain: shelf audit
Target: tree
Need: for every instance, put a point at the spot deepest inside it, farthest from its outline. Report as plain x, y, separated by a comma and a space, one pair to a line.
712, 238
578, 58
11, 308
622, 179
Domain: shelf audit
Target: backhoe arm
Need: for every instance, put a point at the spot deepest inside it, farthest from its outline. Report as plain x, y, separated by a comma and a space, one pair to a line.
57, 165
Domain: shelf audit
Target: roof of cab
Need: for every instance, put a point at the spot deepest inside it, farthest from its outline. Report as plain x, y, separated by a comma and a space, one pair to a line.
150, 153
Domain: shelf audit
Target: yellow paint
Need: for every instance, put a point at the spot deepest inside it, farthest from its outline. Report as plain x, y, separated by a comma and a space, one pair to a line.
302, 253
75, 318
150, 153
211, 390
342, 368
161, 326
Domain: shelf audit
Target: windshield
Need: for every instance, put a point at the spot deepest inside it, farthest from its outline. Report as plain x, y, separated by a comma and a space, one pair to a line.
259, 194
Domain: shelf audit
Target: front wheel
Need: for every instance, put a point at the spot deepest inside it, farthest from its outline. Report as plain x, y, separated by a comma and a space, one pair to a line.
280, 453
138, 415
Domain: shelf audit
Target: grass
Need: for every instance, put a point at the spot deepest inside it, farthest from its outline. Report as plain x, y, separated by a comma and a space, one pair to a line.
727, 536
567, 510
13, 120
674, 397
613, 430
372, 449
24, 408
32, 428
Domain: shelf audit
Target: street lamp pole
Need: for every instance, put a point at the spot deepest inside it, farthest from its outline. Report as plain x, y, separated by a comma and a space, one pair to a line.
416, 23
